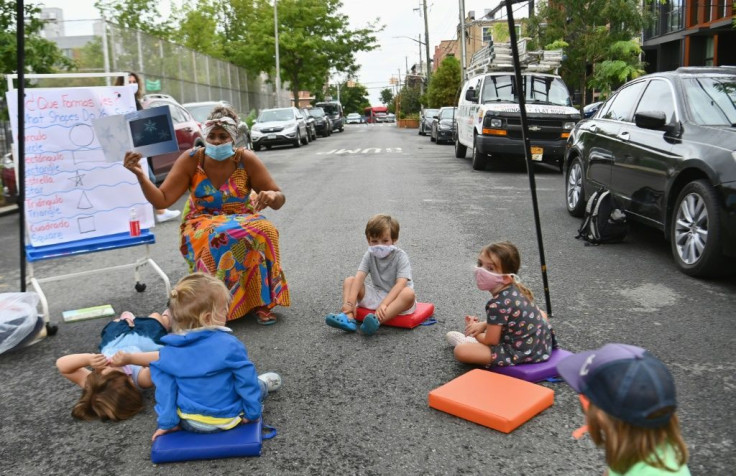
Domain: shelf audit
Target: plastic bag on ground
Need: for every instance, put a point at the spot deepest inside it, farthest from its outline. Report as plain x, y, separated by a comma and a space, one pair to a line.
18, 318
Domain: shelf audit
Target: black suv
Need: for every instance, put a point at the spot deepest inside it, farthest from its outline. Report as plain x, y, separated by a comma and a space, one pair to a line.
334, 110
665, 145
322, 121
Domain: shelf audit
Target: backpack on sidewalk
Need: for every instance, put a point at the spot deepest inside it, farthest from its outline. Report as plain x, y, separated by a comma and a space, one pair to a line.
603, 222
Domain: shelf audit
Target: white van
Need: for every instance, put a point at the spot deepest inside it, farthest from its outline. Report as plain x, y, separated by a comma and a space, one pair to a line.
489, 120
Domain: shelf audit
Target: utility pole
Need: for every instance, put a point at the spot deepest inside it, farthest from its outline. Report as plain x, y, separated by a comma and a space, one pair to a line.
278, 67
462, 36
426, 41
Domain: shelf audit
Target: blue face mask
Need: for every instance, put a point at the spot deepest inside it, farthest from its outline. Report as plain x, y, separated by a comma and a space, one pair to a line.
219, 152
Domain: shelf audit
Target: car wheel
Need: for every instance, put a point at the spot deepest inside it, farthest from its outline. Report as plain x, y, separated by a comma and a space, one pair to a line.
305, 139
574, 189
298, 140
460, 150
479, 158
421, 129
431, 136
256, 147
695, 230
268, 147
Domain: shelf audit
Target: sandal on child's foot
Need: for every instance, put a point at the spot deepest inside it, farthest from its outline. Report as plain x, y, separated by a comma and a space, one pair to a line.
341, 321
370, 325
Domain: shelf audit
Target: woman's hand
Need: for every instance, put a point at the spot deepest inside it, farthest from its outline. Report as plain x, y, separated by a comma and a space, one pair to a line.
265, 198
97, 361
132, 162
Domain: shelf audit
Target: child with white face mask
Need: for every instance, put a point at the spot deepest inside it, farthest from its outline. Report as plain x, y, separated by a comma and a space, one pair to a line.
390, 291
515, 331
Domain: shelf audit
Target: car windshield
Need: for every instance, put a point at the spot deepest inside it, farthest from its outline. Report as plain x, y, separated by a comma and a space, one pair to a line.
317, 112
538, 90
330, 108
446, 113
712, 100
200, 113
430, 112
272, 115
353, 114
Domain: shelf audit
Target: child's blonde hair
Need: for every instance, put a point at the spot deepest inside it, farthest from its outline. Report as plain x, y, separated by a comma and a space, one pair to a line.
198, 300
510, 261
378, 224
626, 444
110, 396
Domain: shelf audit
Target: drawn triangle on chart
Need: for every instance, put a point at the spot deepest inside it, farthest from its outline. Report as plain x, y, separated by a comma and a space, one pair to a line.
84, 202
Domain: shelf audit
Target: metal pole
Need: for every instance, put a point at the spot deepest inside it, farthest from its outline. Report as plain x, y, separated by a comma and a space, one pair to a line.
426, 41
20, 45
140, 52
527, 151
420, 54
462, 37
278, 66
105, 53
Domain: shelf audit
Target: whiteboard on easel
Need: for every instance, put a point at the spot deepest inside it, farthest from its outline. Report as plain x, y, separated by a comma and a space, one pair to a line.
72, 190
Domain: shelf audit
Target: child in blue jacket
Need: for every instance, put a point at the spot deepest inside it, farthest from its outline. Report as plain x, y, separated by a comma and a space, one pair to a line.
204, 380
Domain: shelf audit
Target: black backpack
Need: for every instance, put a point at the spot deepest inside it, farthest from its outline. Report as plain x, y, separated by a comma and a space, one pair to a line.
604, 222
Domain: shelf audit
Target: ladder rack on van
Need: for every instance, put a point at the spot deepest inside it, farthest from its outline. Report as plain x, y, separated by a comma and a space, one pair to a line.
498, 57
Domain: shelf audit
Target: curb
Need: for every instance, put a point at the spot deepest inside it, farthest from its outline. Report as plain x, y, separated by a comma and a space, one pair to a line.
8, 209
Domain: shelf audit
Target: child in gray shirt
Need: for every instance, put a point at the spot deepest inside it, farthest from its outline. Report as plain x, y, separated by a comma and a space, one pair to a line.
390, 291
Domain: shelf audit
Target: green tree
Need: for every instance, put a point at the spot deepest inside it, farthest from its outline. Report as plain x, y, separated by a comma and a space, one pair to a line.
41, 55
314, 39
143, 15
198, 28
353, 96
387, 96
590, 28
409, 101
445, 84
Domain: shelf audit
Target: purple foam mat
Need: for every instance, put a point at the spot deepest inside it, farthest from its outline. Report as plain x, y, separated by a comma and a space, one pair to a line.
535, 372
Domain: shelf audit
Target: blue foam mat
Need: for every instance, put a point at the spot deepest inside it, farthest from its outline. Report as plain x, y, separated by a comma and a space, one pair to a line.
243, 440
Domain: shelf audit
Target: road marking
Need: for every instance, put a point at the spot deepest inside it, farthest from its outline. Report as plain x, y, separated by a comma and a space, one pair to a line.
369, 150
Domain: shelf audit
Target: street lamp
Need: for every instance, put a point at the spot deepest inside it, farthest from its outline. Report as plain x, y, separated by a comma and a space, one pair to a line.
278, 67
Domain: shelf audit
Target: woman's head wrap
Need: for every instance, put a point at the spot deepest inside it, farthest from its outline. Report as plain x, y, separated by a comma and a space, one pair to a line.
225, 122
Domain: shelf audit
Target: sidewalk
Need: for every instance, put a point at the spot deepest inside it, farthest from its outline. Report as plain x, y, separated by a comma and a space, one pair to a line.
6, 209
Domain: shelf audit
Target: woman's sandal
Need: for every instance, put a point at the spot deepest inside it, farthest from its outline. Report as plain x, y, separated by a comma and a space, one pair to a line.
265, 317
341, 321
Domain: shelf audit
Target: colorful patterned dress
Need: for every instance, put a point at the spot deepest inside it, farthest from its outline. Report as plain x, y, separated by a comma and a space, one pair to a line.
221, 235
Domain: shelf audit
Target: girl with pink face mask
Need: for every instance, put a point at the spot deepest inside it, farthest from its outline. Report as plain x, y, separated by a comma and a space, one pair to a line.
515, 331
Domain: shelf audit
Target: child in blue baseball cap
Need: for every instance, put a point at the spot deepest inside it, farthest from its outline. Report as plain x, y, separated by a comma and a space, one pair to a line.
630, 410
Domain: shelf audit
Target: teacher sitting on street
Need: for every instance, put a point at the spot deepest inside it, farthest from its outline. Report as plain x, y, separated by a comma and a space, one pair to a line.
222, 232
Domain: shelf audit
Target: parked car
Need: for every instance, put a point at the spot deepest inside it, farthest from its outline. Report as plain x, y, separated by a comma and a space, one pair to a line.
665, 146
322, 121
334, 110
200, 111
279, 126
591, 109
311, 126
354, 118
425, 120
443, 125
8, 185
187, 129
380, 117
390, 117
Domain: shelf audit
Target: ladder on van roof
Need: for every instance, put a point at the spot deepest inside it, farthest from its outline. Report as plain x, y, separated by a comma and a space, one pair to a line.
498, 57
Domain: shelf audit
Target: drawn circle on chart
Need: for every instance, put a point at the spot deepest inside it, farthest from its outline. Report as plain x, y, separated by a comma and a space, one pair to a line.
81, 135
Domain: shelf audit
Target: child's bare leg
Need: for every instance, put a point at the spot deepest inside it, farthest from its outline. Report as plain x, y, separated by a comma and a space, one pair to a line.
348, 306
403, 302
473, 353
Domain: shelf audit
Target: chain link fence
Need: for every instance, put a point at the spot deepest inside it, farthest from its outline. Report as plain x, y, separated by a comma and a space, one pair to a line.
165, 68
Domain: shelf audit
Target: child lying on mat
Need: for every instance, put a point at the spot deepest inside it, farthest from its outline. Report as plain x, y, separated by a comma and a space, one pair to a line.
390, 291
111, 390
204, 380
516, 331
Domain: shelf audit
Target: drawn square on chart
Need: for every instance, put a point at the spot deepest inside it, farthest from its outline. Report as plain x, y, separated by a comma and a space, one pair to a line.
86, 224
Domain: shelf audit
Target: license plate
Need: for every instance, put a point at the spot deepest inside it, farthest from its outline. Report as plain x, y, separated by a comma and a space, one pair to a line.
537, 153
273, 136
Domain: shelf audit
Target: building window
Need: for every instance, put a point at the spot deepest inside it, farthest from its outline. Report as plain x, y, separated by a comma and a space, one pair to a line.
487, 35
709, 51
694, 7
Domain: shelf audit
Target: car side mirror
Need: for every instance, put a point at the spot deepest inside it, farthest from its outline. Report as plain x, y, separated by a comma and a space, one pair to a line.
470, 95
655, 120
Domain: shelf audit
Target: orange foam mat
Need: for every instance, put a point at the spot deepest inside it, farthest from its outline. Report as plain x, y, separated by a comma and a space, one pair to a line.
493, 400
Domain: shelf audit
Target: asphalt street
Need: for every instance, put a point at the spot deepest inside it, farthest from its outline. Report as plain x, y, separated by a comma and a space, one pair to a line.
358, 405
